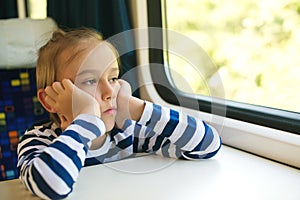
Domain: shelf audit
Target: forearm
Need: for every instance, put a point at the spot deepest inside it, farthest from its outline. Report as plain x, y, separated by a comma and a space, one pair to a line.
179, 133
50, 171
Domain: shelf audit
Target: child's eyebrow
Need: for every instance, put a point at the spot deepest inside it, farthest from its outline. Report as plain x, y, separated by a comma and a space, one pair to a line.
94, 71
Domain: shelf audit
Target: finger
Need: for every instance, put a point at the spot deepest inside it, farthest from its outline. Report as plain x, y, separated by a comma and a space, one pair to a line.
116, 90
125, 87
50, 102
121, 81
51, 92
67, 84
58, 87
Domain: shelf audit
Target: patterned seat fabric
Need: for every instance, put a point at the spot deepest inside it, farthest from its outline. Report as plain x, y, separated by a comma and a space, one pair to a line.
19, 109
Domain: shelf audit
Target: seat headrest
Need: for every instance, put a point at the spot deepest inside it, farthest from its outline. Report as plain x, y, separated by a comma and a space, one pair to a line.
20, 40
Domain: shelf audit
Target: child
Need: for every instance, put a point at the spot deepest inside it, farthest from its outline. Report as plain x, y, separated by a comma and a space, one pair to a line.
94, 118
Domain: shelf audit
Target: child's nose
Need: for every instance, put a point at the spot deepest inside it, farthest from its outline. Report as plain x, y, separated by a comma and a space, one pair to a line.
106, 91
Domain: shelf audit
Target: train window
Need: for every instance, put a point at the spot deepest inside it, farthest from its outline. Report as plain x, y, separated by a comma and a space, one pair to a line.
254, 44
245, 53
37, 9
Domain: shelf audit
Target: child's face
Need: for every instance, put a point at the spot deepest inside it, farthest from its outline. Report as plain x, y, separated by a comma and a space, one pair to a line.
96, 72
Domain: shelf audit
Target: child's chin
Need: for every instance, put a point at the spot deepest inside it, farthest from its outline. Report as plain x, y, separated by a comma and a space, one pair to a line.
109, 126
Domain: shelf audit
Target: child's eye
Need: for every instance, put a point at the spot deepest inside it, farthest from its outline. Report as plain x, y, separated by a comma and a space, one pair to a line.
90, 82
114, 79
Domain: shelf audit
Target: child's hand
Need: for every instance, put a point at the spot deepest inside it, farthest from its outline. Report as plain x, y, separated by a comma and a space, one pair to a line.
69, 101
123, 98
129, 107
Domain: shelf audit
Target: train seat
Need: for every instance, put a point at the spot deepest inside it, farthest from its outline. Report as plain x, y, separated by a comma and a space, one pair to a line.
19, 108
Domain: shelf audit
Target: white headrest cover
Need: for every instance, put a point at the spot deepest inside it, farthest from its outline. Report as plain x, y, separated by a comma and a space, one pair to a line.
20, 40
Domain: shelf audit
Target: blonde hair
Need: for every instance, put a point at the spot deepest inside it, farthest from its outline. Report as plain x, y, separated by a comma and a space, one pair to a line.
50, 59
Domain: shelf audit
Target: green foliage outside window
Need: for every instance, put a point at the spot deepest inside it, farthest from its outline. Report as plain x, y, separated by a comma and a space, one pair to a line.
255, 45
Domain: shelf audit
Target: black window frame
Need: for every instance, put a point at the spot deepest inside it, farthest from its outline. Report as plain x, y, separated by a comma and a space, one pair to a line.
269, 117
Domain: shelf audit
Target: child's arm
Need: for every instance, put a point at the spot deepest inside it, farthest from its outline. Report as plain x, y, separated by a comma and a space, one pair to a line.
49, 165
167, 131
175, 134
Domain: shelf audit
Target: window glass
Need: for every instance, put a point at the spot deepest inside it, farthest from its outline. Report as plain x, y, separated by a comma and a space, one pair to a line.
254, 45
37, 9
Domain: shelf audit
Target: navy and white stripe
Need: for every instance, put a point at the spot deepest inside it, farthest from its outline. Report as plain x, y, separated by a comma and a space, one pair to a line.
50, 160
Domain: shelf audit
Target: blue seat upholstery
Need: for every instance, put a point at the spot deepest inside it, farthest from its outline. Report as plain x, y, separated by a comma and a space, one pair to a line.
19, 109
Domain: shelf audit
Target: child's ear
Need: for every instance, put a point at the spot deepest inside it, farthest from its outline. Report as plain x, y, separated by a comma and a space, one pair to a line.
41, 94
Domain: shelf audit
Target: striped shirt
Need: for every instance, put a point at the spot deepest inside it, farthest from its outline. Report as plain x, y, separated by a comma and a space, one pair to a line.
50, 160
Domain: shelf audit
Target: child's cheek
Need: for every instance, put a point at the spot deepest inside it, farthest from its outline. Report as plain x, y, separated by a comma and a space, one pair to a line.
92, 90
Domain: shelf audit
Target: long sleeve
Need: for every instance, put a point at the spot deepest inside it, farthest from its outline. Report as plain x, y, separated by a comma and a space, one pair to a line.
174, 134
49, 165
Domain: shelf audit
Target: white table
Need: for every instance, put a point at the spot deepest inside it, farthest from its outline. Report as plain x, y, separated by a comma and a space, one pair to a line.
231, 174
